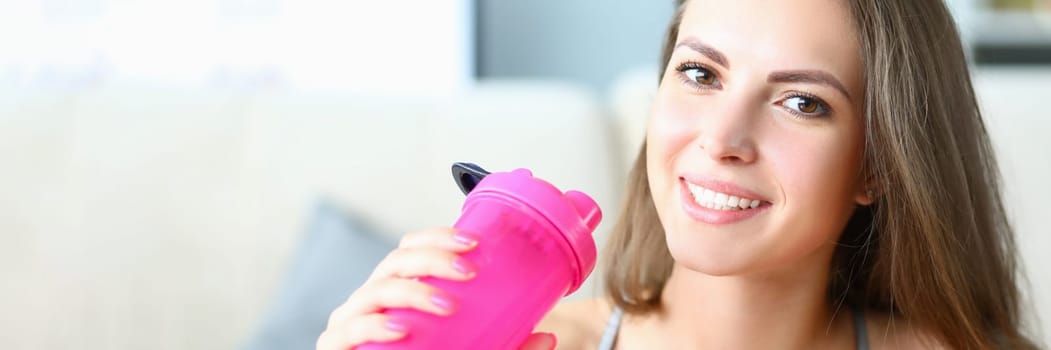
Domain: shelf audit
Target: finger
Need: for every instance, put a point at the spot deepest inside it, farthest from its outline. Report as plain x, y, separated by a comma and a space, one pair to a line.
424, 262
540, 341
369, 328
398, 293
447, 238
376, 328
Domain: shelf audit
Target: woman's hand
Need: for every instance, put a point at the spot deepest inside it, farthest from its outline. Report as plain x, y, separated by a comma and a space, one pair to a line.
393, 284
539, 341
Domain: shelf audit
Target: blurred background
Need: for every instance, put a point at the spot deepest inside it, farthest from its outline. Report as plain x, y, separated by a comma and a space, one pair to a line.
217, 174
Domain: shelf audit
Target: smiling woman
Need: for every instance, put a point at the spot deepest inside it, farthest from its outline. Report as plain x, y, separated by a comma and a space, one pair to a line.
851, 131
814, 171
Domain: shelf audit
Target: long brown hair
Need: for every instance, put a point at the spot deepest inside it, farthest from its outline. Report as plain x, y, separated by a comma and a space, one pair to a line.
935, 248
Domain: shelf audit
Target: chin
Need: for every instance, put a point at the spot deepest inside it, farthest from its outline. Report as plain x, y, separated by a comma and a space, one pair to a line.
709, 256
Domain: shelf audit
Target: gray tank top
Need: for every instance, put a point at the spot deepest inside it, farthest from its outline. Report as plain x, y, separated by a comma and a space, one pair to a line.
609, 337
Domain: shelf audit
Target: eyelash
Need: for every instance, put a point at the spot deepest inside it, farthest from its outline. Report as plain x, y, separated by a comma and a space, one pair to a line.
688, 65
690, 83
824, 108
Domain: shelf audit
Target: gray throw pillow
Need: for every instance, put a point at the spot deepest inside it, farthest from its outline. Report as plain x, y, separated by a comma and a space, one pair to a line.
336, 256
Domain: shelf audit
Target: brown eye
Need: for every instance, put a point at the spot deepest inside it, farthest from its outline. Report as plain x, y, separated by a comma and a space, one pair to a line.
804, 105
700, 75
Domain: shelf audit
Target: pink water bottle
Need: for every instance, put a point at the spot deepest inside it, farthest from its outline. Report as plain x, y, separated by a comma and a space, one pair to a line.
535, 247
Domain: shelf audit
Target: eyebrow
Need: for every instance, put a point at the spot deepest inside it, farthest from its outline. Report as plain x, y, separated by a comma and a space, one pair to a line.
808, 76
791, 76
704, 49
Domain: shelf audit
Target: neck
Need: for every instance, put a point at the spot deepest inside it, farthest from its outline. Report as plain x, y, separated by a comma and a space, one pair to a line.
785, 309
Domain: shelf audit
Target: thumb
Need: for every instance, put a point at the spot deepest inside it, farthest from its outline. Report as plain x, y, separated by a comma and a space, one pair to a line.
539, 341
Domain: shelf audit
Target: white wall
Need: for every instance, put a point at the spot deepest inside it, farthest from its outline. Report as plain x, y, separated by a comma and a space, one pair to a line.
1014, 103
373, 47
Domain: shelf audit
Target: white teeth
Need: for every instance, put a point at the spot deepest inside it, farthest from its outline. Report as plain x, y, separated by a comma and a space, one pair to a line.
706, 197
720, 201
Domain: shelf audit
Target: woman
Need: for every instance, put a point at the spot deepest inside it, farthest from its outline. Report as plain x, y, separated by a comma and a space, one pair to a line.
816, 175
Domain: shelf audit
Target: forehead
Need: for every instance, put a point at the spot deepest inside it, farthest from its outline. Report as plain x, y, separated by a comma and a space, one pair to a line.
778, 35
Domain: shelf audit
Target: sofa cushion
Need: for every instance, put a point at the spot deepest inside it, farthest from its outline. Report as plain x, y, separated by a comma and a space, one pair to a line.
336, 256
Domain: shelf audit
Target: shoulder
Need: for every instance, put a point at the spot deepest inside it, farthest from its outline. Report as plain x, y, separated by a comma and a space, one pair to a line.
577, 324
893, 332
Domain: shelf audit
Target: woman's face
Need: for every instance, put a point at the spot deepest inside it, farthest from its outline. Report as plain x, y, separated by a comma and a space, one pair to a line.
755, 140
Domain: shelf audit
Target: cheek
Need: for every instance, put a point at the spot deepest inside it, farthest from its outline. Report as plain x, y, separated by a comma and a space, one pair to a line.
823, 167
818, 174
671, 129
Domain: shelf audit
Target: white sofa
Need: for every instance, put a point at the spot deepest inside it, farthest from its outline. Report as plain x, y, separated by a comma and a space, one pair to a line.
143, 217
140, 217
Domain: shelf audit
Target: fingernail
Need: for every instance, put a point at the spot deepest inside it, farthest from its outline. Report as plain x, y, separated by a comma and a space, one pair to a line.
443, 302
396, 325
552, 341
465, 267
465, 239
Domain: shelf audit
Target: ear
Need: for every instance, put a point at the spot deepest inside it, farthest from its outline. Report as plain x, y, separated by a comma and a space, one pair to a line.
866, 192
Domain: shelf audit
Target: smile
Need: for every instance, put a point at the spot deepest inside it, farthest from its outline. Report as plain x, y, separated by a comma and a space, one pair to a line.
720, 201
719, 207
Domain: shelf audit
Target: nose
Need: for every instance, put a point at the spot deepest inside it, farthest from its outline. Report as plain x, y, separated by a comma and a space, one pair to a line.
727, 135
